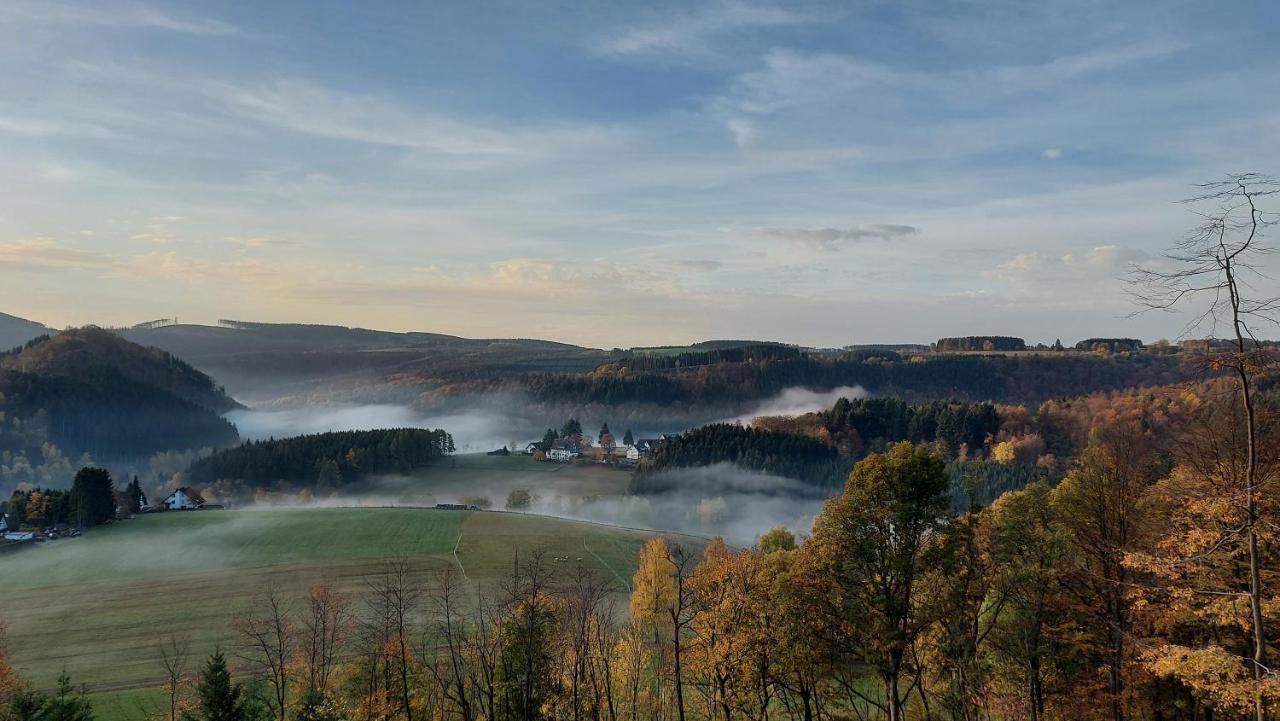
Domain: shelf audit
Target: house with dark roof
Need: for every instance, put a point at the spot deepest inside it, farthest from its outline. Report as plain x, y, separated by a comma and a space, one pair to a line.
184, 499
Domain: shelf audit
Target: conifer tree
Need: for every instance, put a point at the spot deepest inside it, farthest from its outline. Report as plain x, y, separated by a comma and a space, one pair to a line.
220, 698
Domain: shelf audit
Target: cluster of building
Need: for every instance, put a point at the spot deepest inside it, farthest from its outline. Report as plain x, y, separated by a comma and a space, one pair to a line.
15, 535
564, 450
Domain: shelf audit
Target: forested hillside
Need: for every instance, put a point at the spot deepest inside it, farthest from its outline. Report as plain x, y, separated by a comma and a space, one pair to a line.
78, 352
989, 448
789, 455
1003, 378
324, 461
88, 394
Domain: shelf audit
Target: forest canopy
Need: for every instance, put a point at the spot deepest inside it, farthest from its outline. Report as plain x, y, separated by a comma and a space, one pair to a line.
325, 461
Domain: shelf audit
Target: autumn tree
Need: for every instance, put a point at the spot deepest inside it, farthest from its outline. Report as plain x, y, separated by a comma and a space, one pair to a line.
653, 593
1103, 505
776, 539
1199, 618
871, 540
523, 680
1025, 548
1217, 264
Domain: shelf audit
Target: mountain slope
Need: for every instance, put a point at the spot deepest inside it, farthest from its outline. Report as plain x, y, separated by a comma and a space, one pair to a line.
15, 331
79, 352
88, 391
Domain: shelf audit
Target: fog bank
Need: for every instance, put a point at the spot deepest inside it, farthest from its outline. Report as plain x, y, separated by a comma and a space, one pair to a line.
472, 431
796, 401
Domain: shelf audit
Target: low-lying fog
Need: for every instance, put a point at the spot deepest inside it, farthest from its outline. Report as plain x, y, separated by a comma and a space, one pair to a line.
472, 432
716, 500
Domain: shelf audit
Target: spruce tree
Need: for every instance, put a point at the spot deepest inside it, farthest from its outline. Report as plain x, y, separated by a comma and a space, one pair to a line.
220, 698
93, 497
67, 704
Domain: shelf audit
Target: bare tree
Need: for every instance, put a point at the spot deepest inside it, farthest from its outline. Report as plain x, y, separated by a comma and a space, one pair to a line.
173, 654
446, 643
396, 598
268, 639
326, 626
1217, 264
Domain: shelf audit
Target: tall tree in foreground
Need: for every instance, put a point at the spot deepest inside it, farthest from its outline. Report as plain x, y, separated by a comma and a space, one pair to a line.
1026, 550
1215, 265
1200, 627
871, 541
1104, 506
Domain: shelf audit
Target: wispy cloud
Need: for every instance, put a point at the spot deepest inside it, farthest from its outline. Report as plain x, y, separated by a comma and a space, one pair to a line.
120, 15
831, 239
682, 33
47, 254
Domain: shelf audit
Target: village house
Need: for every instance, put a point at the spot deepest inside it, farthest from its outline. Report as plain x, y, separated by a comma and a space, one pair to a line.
183, 499
646, 447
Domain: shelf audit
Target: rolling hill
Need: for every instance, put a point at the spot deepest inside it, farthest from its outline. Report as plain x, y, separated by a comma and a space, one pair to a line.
90, 391
96, 605
15, 331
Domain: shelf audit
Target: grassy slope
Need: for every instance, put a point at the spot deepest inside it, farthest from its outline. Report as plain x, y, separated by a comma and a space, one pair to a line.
96, 605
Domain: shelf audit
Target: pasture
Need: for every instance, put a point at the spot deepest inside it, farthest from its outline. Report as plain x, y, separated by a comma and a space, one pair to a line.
97, 605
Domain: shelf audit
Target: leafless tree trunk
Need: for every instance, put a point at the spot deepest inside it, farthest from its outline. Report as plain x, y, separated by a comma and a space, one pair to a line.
396, 598
681, 617
173, 654
326, 627
445, 646
484, 650
268, 637
1215, 262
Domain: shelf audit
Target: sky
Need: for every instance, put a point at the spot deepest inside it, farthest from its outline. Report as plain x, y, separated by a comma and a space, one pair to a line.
620, 174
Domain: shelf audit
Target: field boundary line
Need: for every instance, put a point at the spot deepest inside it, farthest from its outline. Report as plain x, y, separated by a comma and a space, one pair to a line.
606, 565
458, 560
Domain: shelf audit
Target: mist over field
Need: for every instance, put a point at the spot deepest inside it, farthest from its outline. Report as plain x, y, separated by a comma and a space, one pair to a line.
718, 500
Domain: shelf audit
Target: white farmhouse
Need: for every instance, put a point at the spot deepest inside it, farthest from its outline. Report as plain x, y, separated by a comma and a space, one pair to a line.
560, 454
633, 453
184, 499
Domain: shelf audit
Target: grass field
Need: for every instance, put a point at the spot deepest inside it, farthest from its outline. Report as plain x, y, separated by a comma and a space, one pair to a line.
97, 605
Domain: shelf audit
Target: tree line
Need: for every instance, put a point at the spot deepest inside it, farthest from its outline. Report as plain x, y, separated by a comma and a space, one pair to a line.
750, 353
92, 500
324, 461
1009, 379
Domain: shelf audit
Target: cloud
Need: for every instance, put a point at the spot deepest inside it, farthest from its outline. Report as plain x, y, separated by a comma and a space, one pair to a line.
702, 265
1052, 153
305, 107
1100, 263
47, 254
832, 239
691, 32
114, 15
